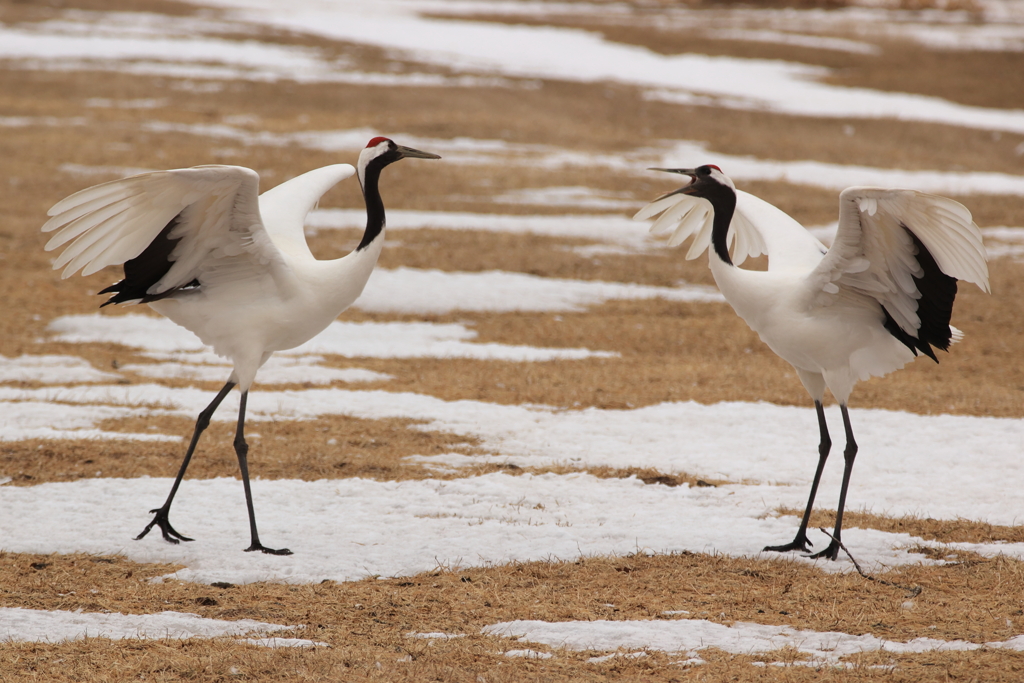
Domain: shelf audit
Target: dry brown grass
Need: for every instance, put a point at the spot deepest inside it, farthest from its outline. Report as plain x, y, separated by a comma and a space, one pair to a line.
333, 447
668, 352
896, 67
942, 530
367, 623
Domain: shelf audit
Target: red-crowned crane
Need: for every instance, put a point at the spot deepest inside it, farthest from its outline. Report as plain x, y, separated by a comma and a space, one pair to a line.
203, 248
882, 294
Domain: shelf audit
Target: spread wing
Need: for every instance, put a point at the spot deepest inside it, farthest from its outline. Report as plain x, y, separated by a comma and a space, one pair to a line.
901, 247
757, 228
171, 229
284, 207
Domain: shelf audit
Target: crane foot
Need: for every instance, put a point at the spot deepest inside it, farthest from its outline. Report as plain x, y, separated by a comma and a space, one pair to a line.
257, 546
799, 543
829, 553
169, 533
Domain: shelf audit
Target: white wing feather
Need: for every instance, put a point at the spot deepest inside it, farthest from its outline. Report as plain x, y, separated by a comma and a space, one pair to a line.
219, 227
770, 230
750, 233
872, 253
284, 207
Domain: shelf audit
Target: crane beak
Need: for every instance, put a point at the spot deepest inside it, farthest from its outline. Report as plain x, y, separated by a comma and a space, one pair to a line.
410, 153
692, 172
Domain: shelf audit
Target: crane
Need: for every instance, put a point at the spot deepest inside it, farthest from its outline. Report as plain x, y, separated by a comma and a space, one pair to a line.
879, 296
202, 247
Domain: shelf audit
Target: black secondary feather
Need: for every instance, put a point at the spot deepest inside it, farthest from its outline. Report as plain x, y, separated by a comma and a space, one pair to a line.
934, 308
146, 269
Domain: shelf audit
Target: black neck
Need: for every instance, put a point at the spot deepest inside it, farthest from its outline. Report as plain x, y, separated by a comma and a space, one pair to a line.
374, 204
723, 200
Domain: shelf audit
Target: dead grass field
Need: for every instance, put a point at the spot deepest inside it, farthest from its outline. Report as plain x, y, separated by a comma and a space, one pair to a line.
668, 352
366, 622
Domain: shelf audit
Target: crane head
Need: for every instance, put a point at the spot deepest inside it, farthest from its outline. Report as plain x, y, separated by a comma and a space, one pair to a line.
381, 151
703, 179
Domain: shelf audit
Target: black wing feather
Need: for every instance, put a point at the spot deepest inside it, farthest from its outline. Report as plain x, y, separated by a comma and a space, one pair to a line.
934, 308
146, 269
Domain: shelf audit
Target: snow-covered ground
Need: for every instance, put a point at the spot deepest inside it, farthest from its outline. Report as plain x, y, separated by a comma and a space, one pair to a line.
677, 153
765, 452
57, 626
687, 637
193, 48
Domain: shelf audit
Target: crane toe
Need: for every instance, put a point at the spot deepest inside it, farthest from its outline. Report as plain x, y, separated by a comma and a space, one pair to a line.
269, 551
829, 553
170, 534
798, 543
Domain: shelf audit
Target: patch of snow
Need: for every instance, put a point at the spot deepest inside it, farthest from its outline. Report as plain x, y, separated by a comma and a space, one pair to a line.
611, 229
903, 469
1004, 242
48, 121
273, 642
163, 340
436, 635
411, 290
539, 52
29, 625
680, 153
482, 50
51, 369
690, 636
528, 654
146, 103
280, 369
581, 197
683, 154
795, 39
351, 529
51, 419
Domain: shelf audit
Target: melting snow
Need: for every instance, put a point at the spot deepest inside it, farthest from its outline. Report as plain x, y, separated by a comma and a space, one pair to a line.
163, 340
134, 43
690, 636
940, 466
50, 369
17, 624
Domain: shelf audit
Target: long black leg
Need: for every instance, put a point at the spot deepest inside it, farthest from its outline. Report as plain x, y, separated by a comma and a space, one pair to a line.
850, 454
801, 541
242, 451
160, 514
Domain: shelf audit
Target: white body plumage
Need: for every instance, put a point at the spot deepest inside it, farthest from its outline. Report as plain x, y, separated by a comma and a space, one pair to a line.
866, 306
818, 308
262, 289
200, 247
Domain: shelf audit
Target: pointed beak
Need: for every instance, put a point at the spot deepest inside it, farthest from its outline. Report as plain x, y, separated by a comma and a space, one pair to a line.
410, 153
692, 172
